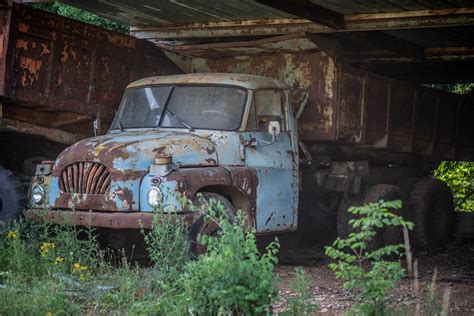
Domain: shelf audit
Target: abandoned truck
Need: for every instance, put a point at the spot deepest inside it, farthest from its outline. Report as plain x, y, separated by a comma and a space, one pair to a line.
232, 137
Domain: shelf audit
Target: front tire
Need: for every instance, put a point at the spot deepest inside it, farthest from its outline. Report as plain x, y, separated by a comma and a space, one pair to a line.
12, 198
206, 226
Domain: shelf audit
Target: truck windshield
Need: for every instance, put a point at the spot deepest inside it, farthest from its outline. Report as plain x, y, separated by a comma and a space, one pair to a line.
200, 107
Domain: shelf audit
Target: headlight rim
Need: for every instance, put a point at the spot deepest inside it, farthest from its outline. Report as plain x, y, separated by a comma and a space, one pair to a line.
42, 194
157, 200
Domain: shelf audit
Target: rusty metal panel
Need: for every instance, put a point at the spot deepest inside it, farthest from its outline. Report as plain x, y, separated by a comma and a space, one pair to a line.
68, 66
351, 107
426, 117
377, 107
310, 72
402, 109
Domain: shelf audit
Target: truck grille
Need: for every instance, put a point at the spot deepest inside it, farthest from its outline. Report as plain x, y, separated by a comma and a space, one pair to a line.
85, 177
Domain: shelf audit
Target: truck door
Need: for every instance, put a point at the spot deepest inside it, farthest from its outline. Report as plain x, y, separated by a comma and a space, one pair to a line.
277, 191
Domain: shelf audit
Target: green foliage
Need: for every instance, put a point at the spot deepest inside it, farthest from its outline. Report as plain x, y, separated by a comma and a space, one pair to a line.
460, 178
81, 15
167, 242
367, 269
433, 307
36, 297
46, 268
300, 304
232, 277
462, 88
458, 88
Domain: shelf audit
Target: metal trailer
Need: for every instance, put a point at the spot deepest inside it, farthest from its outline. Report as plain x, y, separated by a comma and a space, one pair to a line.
366, 136
58, 76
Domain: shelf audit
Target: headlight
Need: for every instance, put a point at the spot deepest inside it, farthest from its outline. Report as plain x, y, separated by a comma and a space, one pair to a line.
37, 194
154, 197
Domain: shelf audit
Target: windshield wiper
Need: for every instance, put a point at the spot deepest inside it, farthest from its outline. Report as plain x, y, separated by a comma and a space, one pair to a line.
180, 120
176, 117
118, 121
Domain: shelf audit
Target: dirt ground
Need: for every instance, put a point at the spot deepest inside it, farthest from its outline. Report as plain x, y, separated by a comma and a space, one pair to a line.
454, 262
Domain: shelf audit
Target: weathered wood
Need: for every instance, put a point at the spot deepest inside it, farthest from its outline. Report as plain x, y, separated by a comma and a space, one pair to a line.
308, 10
53, 134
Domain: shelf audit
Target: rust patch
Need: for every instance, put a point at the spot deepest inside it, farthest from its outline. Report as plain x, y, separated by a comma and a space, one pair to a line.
22, 44
32, 68
45, 50
115, 220
23, 27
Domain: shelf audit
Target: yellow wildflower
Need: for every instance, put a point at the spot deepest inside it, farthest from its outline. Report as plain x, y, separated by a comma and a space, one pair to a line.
77, 267
58, 260
45, 247
49, 314
11, 235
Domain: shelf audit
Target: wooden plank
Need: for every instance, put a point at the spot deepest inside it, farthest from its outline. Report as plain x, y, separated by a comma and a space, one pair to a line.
48, 133
308, 10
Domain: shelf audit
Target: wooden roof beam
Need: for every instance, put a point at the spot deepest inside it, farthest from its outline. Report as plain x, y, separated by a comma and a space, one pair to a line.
308, 10
353, 23
394, 44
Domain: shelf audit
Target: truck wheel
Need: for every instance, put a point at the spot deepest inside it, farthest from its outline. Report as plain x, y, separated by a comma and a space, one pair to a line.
432, 211
11, 198
343, 216
388, 235
406, 185
205, 225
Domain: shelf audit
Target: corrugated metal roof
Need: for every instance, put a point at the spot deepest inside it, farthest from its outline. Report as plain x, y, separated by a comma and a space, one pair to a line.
176, 12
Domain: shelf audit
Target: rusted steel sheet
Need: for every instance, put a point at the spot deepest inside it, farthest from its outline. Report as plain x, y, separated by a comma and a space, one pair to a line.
68, 66
343, 104
114, 220
375, 111
312, 74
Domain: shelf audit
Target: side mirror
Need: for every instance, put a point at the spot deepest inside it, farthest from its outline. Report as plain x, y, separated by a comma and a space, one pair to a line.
96, 125
274, 128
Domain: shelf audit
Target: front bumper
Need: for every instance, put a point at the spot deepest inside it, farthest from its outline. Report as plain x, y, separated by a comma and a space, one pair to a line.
114, 220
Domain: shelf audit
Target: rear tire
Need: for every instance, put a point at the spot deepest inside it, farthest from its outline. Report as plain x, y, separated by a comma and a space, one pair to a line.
343, 216
388, 235
432, 211
12, 198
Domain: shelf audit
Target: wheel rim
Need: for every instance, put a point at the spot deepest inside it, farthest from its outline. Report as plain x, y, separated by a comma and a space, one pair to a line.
209, 228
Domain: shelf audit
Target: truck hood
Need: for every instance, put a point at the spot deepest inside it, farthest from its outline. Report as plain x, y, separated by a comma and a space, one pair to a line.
134, 151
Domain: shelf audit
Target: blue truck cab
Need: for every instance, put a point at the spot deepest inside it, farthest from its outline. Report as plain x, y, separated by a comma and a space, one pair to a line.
229, 135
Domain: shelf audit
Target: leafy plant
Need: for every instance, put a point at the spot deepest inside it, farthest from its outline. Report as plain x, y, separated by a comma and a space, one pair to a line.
459, 176
232, 277
300, 304
81, 15
365, 269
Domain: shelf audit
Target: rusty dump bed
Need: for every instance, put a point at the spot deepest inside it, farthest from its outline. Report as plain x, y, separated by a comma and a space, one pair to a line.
345, 105
57, 74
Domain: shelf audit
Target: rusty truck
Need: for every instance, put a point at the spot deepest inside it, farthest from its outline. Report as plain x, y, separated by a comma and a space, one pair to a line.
279, 127
234, 138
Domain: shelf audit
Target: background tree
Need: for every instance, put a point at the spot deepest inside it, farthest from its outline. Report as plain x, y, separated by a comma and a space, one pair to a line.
81, 15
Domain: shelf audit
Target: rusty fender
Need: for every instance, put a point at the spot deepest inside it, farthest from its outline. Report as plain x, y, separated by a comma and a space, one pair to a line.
238, 182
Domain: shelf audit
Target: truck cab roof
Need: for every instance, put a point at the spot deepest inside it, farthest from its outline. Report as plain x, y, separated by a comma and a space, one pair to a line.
241, 80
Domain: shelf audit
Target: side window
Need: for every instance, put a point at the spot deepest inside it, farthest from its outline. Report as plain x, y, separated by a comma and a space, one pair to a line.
268, 107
